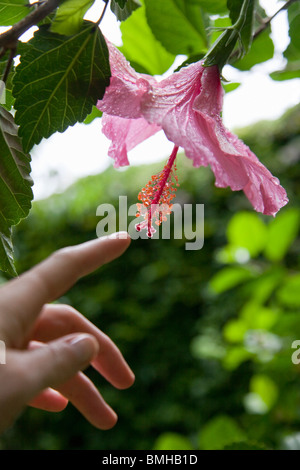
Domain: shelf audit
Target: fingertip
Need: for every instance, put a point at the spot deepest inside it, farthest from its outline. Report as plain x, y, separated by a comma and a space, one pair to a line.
120, 239
131, 380
104, 249
49, 400
127, 381
110, 422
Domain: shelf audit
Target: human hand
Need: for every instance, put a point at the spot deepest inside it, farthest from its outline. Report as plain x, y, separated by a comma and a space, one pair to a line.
48, 345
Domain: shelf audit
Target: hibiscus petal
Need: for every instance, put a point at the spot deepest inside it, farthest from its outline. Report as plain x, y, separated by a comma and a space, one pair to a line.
264, 191
127, 87
187, 106
170, 104
125, 134
243, 170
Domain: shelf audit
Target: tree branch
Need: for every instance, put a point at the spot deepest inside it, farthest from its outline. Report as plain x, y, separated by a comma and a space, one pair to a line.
103, 12
267, 21
264, 26
9, 38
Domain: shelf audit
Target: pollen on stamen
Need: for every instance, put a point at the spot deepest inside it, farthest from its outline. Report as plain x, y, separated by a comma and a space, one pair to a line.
157, 195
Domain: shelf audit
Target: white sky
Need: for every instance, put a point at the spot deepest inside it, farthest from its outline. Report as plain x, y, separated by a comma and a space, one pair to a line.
82, 150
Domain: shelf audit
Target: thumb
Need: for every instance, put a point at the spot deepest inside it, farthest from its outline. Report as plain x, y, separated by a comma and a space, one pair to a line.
56, 362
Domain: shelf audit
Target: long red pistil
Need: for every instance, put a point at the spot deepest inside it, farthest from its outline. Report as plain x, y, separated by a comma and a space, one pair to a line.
160, 190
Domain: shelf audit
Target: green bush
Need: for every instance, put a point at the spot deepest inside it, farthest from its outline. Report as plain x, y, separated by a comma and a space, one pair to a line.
208, 333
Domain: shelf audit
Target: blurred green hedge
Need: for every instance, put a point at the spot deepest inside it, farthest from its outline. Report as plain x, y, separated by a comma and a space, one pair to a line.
208, 333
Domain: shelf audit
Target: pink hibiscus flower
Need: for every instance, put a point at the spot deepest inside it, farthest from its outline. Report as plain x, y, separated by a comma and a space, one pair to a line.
187, 106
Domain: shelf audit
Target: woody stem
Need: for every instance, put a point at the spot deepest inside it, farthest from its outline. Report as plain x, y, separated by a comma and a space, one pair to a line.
268, 20
11, 36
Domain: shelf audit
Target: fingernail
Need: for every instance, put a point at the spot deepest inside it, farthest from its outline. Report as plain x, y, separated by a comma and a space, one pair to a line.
84, 346
122, 235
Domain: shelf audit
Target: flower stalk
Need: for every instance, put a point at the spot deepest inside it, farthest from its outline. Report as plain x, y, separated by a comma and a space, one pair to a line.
222, 49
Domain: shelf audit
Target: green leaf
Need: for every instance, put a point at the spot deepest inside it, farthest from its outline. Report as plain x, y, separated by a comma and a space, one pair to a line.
228, 87
246, 230
235, 330
178, 25
245, 445
222, 48
294, 32
71, 74
208, 346
121, 3
283, 231
291, 71
220, 432
190, 60
221, 51
69, 16
263, 286
6, 248
12, 11
6, 97
262, 49
3, 64
229, 277
258, 317
219, 25
293, 11
124, 8
7, 100
288, 294
246, 32
172, 441
215, 7
140, 46
235, 356
96, 113
292, 51
15, 186
263, 386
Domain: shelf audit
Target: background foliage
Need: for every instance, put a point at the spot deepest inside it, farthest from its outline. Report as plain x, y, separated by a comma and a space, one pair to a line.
208, 333
64, 69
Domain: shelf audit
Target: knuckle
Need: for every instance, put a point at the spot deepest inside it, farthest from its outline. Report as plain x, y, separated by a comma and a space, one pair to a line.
64, 315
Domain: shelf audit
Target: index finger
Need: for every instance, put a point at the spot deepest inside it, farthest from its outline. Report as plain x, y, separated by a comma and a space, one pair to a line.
22, 299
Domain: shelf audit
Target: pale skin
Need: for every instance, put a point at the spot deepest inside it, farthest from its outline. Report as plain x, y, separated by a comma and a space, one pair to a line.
48, 345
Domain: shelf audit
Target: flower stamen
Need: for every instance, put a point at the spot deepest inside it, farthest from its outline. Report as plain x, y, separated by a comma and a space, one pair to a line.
157, 195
